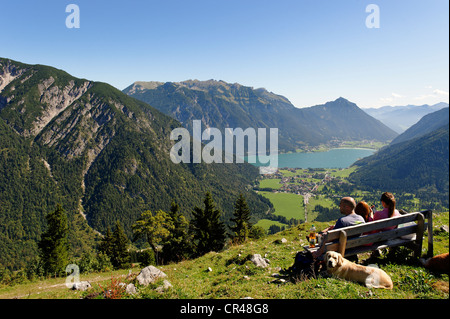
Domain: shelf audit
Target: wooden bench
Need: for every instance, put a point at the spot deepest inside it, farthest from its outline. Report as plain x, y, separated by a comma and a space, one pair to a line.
351, 240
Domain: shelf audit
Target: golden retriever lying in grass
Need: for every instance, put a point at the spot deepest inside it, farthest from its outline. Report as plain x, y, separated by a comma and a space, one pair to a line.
370, 276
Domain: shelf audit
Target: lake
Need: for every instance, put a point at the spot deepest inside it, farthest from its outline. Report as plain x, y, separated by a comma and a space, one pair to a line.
334, 158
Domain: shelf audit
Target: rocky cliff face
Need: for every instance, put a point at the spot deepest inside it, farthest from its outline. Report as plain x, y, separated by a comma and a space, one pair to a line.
8, 73
55, 100
55, 117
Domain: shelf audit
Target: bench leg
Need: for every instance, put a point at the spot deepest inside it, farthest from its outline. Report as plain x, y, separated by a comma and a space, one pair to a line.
430, 234
419, 236
342, 242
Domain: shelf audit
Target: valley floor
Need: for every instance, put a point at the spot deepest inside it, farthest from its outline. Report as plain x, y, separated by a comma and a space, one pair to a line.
314, 194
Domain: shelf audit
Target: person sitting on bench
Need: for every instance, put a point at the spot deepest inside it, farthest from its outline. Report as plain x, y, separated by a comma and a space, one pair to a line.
388, 202
363, 209
347, 207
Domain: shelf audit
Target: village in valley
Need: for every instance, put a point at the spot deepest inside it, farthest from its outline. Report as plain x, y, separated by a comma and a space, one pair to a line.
305, 182
301, 195
313, 194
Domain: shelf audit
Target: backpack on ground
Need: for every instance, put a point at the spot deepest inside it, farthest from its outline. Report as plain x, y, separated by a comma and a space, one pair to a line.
305, 266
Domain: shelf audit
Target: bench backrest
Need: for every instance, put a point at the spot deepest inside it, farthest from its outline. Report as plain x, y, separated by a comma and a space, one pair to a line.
353, 236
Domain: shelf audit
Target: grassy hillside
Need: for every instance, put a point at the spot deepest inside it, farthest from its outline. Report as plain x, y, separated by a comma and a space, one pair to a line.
233, 276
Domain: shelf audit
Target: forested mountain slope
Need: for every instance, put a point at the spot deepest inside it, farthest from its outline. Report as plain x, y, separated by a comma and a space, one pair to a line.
99, 153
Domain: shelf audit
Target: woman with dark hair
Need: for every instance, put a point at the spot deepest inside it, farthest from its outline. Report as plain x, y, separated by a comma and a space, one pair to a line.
363, 209
388, 202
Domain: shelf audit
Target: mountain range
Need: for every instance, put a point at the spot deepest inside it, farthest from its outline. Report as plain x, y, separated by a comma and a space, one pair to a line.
220, 104
101, 154
426, 124
400, 118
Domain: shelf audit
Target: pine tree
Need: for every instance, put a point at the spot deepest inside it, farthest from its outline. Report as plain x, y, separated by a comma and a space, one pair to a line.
241, 219
178, 245
208, 229
120, 256
106, 245
54, 245
155, 228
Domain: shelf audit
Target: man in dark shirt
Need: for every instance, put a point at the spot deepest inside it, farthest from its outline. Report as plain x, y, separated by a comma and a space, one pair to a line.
347, 208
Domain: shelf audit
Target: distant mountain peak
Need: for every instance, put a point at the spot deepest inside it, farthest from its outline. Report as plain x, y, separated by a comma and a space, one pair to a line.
338, 103
220, 104
143, 85
400, 118
193, 84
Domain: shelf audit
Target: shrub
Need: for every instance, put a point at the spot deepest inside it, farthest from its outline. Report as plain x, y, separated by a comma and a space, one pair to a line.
419, 281
115, 289
257, 232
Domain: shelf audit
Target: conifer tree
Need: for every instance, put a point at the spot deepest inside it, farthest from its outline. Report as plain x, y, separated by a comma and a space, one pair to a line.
54, 245
107, 244
120, 256
178, 245
208, 230
242, 216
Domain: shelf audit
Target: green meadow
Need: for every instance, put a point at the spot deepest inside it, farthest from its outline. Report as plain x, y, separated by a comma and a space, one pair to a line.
286, 204
273, 183
266, 223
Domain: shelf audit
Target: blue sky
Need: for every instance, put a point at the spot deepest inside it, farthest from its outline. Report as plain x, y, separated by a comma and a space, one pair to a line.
310, 51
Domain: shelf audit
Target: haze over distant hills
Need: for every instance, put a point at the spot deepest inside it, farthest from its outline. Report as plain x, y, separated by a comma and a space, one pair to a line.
426, 124
400, 118
220, 104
